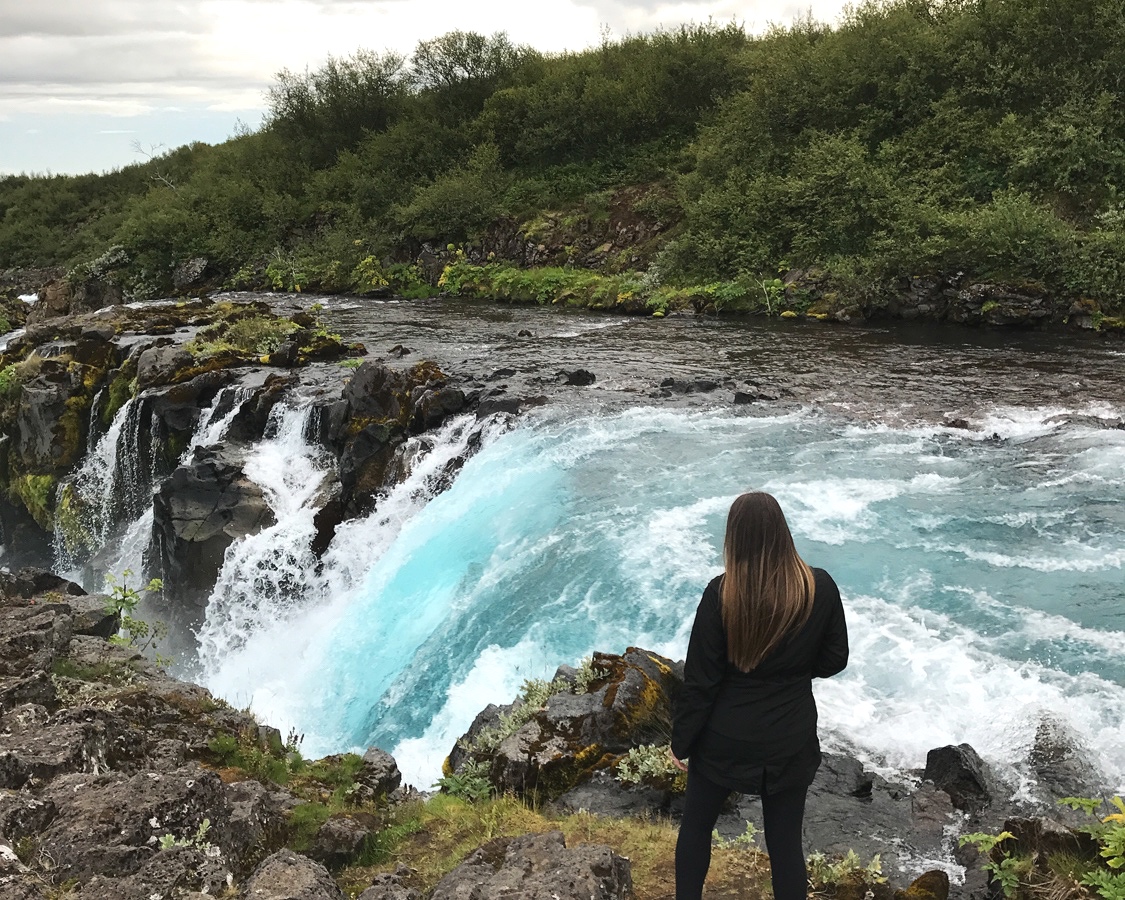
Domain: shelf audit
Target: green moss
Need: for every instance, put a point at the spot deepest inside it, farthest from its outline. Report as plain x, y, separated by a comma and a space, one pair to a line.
244, 753
37, 494
336, 771
10, 382
71, 430
122, 388
111, 672
68, 520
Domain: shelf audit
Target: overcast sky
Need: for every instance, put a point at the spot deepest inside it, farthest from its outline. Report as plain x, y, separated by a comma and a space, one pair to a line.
91, 85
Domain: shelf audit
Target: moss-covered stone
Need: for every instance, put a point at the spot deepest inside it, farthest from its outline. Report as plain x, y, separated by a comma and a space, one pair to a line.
122, 388
37, 494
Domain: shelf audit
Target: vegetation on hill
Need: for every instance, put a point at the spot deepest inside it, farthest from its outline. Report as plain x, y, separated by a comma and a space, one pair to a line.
916, 138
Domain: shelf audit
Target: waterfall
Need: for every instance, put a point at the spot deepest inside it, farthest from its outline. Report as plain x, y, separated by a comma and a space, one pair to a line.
112, 486
268, 576
275, 609
107, 517
212, 426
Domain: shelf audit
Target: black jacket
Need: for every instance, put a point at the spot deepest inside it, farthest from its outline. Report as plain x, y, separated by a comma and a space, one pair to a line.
747, 730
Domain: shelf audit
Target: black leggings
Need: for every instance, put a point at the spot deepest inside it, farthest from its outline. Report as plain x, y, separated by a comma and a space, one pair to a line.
783, 813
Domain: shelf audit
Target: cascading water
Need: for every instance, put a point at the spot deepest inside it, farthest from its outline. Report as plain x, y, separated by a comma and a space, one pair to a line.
272, 599
981, 572
113, 485
266, 577
212, 425
111, 493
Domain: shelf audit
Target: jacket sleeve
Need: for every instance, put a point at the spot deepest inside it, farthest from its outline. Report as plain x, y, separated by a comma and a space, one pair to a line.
704, 669
833, 654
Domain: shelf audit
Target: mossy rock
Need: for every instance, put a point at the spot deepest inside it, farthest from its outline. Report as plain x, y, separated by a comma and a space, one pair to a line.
628, 703
37, 494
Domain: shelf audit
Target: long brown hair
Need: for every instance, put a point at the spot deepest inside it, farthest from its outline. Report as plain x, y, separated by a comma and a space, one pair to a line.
767, 590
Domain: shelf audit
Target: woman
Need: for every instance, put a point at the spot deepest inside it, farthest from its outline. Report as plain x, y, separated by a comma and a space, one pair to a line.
746, 717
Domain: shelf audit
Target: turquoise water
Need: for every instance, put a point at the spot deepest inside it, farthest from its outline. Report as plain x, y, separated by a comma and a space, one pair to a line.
981, 571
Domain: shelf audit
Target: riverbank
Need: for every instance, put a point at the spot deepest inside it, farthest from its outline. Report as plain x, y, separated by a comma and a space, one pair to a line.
476, 273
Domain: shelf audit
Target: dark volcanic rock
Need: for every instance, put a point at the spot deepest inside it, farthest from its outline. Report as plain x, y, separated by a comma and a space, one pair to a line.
341, 839
380, 772
391, 886
578, 378
32, 637
381, 407
289, 876
197, 513
574, 735
434, 406
1062, 764
170, 873
538, 867
112, 824
932, 885
490, 406
961, 773
189, 273
604, 795
160, 365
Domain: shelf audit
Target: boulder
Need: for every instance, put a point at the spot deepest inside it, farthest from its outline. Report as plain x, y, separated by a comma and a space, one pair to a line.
392, 886
433, 406
1062, 764
381, 407
32, 637
932, 885
604, 795
74, 740
22, 815
34, 688
160, 365
53, 301
166, 874
380, 774
189, 273
573, 735
962, 774
1041, 837
197, 513
289, 876
341, 839
112, 825
578, 377
538, 867
491, 406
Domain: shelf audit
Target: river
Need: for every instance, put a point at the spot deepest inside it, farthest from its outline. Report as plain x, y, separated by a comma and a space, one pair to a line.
966, 488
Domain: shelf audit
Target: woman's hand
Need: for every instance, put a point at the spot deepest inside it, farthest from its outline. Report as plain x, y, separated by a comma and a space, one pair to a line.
682, 766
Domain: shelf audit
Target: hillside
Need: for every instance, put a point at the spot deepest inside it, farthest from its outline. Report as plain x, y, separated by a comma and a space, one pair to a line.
918, 146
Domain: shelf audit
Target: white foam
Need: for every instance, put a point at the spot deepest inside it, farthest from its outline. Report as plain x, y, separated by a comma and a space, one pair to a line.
496, 677
268, 576
29, 299
1043, 626
274, 613
918, 680
1074, 557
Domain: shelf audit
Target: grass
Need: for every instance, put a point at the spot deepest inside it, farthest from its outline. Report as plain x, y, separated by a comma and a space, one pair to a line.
432, 838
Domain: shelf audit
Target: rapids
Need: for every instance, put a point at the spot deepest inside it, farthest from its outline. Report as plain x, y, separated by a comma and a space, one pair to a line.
965, 488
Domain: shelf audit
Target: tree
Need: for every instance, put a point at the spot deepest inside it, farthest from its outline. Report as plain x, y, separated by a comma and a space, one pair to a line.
461, 69
323, 112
